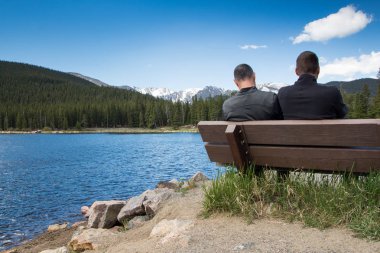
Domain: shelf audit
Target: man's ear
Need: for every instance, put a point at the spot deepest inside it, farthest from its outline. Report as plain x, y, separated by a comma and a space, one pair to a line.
237, 84
297, 72
317, 73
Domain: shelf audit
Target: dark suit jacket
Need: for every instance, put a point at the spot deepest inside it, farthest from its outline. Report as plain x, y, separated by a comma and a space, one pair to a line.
308, 100
252, 104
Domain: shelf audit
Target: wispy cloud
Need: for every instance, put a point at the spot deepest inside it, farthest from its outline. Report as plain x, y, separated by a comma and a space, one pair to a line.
352, 67
345, 22
252, 46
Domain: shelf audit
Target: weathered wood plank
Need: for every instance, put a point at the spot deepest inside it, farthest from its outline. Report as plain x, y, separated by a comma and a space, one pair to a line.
332, 133
324, 159
239, 147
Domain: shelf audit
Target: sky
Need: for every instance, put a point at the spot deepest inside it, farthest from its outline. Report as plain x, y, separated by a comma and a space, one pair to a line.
187, 43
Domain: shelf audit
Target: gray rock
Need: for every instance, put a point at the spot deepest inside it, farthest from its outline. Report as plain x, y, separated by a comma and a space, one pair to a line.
167, 184
58, 250
103, 214
137, 221
134, 207
154, 199
56, 227
198, 177
244, 246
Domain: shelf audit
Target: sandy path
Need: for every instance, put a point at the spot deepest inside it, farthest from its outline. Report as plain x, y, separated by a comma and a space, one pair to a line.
222, 233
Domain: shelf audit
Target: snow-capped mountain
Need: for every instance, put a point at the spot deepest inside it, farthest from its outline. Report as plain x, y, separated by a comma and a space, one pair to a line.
273, 87
184, 95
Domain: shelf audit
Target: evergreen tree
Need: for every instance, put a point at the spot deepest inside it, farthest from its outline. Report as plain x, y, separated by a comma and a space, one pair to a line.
65, 124
6, 123
375, 107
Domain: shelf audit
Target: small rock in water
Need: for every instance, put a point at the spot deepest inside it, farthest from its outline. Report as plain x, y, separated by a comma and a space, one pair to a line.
85, 210
58, 250
89, 239
198, 177
56, 227
103, 214
137, 221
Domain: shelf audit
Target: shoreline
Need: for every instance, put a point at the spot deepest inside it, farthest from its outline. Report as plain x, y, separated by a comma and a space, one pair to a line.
177, 225
121, 130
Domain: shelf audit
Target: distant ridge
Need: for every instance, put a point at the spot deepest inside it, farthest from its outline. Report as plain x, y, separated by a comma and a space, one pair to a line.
90, 79
356, 85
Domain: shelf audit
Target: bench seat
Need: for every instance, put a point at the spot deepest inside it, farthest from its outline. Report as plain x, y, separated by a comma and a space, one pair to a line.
318, 145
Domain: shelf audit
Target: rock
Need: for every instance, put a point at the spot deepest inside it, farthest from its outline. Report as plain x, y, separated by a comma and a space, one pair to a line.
103, 214
172, 229
154, 199
198, 177
78, 223
56, 227
85, 210
134, 207
175, 181
89, 239
185, 185
167, 184
58, 250
137, 221
244, 246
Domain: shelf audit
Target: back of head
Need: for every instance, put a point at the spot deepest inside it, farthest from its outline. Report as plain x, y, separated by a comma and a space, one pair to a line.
307, 63
243, 72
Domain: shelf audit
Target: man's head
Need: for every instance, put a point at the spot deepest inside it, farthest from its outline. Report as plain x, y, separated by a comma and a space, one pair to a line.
244, 76
307, 63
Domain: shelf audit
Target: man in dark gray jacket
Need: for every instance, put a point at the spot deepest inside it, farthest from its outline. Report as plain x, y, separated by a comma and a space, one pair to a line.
250, 103
306, 99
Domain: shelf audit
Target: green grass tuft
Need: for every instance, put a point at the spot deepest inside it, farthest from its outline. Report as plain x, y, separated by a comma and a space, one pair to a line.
317, 200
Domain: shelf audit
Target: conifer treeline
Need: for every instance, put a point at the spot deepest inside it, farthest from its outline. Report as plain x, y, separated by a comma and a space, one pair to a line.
361, 105
33, 98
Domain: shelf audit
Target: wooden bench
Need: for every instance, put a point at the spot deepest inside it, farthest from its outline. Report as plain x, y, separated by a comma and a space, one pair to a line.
318, 145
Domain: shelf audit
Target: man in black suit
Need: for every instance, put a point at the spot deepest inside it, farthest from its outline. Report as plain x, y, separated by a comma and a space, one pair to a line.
308, 100
250, 103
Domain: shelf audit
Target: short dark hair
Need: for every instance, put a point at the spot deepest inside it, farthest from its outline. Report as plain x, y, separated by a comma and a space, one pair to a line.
307, 62
243, 71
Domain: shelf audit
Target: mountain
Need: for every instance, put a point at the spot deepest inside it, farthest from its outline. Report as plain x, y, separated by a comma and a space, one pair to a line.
212, 91
356, 85
184, 95
90, 79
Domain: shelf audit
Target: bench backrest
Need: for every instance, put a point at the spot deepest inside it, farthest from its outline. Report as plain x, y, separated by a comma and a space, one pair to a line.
323, 145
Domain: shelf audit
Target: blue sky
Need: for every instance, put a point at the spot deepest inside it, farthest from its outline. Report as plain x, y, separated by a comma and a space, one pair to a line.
187, 43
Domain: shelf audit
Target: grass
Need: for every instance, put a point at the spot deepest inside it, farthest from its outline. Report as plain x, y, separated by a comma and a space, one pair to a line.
317, 200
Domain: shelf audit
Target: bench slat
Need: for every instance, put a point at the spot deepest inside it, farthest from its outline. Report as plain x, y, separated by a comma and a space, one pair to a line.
331, 133
323, 159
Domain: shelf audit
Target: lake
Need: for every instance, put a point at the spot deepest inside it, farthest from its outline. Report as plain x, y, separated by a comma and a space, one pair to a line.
46, 178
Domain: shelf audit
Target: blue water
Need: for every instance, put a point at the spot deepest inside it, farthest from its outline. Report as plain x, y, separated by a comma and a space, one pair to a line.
45, 179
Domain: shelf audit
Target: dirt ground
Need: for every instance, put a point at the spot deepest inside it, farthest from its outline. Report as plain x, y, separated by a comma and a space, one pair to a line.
219, 233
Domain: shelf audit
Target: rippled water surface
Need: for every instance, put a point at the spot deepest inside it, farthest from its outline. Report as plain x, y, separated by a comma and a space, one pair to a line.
45, 179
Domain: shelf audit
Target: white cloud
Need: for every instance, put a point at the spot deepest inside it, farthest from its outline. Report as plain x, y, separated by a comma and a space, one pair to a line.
246, 47
350, 68
345, 22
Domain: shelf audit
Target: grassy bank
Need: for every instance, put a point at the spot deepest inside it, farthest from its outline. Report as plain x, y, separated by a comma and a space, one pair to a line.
121, 130
320, 201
